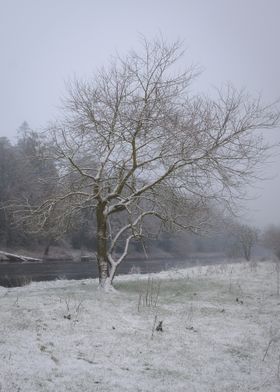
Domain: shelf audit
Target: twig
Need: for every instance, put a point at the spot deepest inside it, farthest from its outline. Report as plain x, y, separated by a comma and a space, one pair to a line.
154, 326
268, 346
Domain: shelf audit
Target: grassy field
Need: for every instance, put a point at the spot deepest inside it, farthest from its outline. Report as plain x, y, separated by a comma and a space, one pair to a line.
217, 323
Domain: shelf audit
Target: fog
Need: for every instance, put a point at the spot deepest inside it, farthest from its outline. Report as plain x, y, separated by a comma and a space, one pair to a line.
45, 43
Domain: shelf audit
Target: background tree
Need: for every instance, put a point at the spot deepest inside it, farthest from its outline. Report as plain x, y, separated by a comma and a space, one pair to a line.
271, 240
8, 181
246, 237
37, 178
26, 176
134, 141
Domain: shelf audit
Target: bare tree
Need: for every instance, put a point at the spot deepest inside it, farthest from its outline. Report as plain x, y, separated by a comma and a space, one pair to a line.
271, 240
134, 141
246, 237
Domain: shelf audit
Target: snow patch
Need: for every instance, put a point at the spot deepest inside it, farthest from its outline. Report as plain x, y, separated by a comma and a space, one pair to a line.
217, 323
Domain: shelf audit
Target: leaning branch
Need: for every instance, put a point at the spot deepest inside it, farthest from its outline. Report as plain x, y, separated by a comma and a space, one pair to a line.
19, 258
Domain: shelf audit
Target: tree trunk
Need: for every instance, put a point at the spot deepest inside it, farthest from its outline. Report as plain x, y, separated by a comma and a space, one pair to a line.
102, 259
247, 252
47, 248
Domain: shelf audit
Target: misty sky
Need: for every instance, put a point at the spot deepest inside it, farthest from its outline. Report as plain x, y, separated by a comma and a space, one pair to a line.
45, 42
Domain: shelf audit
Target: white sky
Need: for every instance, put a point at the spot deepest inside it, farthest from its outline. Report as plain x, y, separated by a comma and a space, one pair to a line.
45, 42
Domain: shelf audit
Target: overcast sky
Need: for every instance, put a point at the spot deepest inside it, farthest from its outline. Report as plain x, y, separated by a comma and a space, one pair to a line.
45, 42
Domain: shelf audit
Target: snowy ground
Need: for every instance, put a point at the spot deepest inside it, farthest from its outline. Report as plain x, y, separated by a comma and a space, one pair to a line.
217, 324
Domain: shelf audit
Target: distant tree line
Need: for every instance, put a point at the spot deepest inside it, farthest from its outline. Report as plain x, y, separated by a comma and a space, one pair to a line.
22, 175
27, 174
